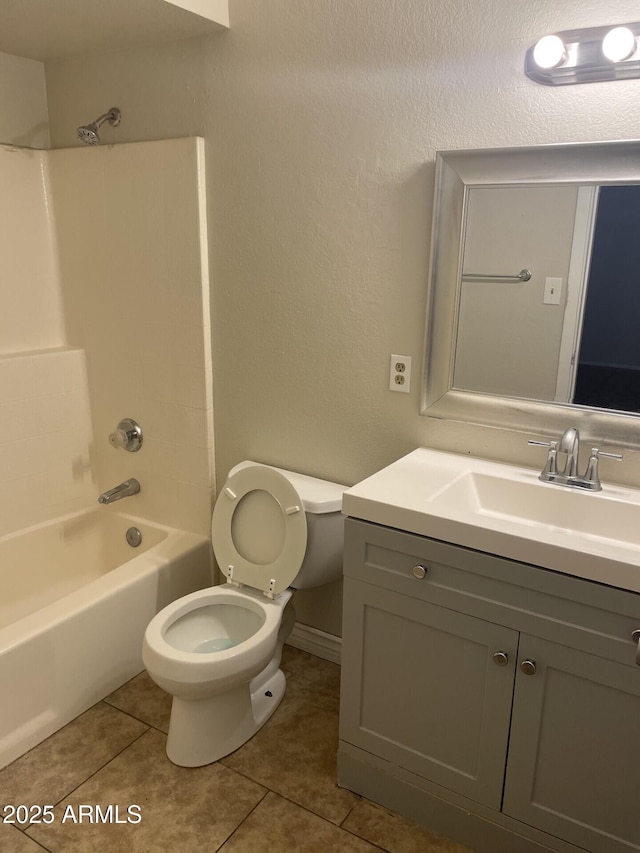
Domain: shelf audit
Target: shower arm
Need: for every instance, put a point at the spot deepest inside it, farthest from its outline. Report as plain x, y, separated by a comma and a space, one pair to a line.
113, 117
89, 132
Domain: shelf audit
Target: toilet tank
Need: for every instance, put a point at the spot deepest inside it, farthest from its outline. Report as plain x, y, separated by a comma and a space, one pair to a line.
322, 503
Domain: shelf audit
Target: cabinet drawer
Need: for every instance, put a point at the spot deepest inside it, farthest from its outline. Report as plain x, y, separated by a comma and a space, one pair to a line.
569, 610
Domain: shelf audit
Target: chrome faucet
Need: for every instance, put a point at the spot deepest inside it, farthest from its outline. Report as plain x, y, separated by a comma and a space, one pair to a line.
124, 490
569, 445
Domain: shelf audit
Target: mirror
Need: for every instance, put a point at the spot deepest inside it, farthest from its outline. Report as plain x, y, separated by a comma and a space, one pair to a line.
534, 290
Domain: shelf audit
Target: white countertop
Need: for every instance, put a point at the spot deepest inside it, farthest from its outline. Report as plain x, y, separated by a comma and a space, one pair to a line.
592, 535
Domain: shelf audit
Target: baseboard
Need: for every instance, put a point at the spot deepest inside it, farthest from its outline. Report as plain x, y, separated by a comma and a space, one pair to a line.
316, 642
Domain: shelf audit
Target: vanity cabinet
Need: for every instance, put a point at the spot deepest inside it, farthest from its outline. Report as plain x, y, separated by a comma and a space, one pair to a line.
485, 695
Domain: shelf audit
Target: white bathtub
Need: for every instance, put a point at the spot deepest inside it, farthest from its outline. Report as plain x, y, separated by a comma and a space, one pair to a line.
75, 599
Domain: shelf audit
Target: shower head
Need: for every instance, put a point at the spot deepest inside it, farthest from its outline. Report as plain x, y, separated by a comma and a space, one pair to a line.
89, 132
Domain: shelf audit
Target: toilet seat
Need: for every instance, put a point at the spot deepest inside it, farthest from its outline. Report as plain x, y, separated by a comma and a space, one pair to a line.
259, 512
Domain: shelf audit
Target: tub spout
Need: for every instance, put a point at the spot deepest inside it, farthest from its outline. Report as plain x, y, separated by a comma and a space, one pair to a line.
129, 487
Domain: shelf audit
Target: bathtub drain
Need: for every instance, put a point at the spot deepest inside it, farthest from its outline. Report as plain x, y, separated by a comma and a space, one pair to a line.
134, 537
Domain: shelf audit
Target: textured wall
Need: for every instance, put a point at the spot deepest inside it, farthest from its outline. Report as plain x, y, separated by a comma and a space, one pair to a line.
23, 102
322, 119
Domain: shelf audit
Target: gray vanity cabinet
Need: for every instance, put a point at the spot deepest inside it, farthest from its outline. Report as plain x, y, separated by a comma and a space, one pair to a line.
506, 691
574, 750
422, 690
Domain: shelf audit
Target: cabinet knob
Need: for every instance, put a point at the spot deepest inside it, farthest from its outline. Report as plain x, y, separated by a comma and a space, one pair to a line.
501, 658
528, 667
635, 636
419, 572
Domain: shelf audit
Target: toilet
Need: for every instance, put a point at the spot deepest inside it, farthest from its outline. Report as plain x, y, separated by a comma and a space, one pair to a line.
218, 650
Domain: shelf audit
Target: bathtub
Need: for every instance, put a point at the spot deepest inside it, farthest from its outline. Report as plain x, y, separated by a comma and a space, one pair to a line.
75, 599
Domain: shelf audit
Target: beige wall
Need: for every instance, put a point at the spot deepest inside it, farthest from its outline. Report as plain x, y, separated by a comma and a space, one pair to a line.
24, 119
322, 119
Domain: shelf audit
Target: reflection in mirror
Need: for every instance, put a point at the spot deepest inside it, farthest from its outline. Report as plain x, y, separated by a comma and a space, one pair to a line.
608, 365
508, 228
570, 331
503, 346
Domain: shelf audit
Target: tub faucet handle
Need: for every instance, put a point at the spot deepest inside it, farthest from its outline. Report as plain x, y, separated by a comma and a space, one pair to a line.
127, 435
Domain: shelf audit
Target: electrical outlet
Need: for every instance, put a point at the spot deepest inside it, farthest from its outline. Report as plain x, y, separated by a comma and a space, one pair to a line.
400, 373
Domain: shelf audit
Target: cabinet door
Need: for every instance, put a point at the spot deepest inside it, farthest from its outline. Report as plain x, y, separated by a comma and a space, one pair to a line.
420, 688
574, 753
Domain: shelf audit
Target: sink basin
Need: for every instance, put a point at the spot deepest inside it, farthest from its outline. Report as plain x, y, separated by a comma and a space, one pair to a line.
505, 510
542, 504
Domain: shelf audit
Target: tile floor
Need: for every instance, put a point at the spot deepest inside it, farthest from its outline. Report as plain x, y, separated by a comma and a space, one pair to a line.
277, 793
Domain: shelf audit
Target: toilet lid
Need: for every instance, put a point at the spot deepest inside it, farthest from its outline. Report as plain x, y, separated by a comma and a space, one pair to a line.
259, 529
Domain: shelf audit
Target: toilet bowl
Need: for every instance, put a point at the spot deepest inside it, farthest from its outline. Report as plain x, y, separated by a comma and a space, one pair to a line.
218, 650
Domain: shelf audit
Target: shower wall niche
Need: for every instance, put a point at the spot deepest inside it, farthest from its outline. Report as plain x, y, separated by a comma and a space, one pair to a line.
105, 315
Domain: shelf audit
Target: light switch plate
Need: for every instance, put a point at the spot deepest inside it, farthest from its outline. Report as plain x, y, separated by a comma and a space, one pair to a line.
552, 291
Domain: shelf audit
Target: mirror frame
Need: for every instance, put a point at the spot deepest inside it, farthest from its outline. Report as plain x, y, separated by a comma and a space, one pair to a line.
456, 173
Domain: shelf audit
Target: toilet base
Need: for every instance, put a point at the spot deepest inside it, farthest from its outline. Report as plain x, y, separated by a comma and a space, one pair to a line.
203, 730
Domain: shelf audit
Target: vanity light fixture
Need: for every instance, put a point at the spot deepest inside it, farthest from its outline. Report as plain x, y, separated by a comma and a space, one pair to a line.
585, 56
619, 44
550, 52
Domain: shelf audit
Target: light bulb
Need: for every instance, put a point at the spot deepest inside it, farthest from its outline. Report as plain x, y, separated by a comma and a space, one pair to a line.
549, 52
618, 44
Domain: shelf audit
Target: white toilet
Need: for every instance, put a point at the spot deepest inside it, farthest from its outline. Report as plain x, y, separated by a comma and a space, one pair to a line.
218, 650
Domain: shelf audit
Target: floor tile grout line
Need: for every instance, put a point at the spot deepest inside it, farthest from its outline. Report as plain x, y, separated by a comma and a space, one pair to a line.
34, 840
306, 809
24, 832
138, 719
282, 796
25, 829
246, 817
244, 775
353, 832
95, 772
288, 799
311, 812
348, 814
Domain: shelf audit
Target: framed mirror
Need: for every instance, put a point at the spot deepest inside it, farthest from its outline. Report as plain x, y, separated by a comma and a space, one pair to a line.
534, 300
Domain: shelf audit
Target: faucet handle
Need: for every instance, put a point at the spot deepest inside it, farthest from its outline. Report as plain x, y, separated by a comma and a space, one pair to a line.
595, 451
552, 459
592, 474
127, 435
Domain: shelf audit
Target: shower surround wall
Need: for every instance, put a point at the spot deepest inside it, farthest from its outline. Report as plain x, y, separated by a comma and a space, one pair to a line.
45, 427
105, 315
